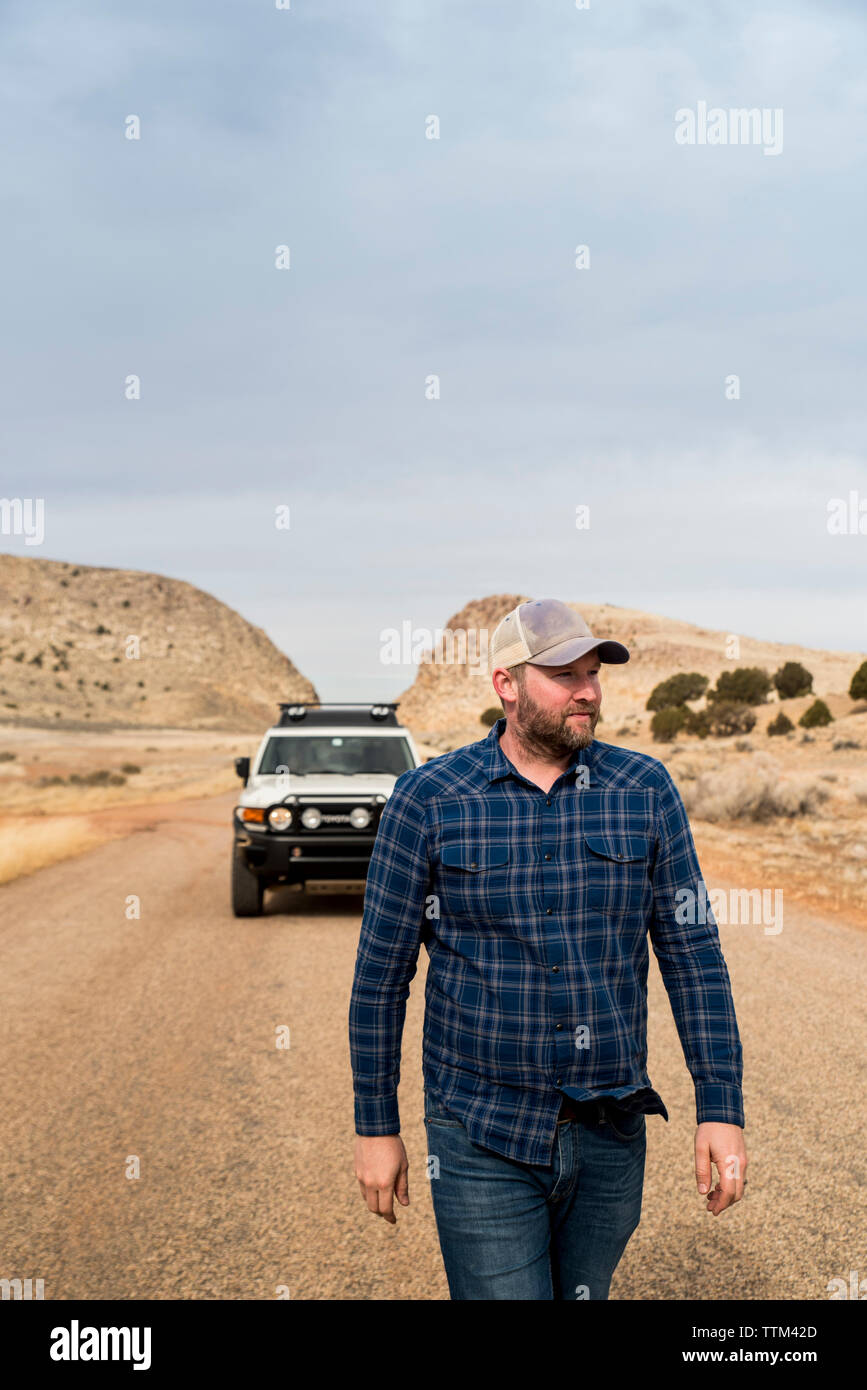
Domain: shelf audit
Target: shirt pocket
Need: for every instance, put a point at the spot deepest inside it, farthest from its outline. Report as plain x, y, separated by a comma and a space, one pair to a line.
474, 881
617, 877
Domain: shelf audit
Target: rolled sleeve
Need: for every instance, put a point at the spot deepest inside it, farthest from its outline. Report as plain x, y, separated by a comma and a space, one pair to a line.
387, 958
685, 940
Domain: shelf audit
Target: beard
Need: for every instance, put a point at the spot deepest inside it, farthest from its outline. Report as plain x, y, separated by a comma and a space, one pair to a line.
542, 733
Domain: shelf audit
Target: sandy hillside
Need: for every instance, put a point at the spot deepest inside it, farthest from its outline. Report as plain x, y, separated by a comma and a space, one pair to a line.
68, 638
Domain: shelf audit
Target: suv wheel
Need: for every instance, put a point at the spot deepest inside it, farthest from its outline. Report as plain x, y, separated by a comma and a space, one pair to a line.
247, 888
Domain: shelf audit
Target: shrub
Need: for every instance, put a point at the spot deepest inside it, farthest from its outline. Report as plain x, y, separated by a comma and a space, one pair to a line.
730, 717
488, 717
7, 757
666, 723
687, 685
699, 722
793, 680
858, 686
101, 778
781, 725
817, 715
130, 768
748, 685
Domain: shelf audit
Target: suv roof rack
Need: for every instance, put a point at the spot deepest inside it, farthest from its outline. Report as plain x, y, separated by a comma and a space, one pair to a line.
350, 713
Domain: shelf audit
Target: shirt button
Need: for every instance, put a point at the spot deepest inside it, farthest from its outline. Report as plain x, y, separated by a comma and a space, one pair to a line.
548, 802
559, 1081
555, 969
547, 856
549, 911
474, 865
559, 1028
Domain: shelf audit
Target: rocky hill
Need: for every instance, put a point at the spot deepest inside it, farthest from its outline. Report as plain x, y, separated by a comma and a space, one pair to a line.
96, 647
443, 704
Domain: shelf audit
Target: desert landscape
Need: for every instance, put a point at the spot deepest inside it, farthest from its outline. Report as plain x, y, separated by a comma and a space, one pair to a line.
81, 764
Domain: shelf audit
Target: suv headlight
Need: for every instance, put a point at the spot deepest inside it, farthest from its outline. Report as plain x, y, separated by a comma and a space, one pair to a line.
359, 817
280, 818
311, 818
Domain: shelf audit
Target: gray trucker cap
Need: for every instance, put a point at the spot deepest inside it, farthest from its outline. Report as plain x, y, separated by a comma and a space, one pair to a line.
546, 632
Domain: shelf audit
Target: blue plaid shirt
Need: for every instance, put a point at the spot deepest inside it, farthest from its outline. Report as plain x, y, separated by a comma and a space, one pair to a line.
535, 909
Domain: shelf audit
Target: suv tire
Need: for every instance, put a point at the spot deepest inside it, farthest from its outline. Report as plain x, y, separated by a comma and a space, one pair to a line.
247, 888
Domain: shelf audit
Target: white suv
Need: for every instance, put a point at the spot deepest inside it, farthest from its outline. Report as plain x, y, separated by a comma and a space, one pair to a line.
311, 804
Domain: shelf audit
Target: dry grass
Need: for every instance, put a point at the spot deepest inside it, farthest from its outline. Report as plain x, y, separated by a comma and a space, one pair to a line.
33, 844
753, 791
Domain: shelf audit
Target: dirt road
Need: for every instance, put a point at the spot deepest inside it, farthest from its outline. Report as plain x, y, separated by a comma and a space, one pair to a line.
154, 1038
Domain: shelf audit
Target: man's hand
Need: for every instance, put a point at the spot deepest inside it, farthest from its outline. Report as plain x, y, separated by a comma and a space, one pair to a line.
724, 1144
382, 1168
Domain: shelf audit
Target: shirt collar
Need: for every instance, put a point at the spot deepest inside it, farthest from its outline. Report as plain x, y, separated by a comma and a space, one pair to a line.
497, 765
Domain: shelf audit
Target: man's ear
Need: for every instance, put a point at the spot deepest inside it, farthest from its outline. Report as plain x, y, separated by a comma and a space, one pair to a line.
504, 683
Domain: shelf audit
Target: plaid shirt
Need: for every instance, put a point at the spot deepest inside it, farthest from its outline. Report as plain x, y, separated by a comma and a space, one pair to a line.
535, 908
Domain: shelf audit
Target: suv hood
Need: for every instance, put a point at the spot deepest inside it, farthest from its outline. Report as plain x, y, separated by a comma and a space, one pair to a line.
265, 790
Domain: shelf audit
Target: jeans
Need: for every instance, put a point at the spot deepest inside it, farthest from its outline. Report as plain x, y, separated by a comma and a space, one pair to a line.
513, 1230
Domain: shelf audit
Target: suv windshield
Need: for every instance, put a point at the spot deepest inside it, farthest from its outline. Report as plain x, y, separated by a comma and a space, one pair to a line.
338, 753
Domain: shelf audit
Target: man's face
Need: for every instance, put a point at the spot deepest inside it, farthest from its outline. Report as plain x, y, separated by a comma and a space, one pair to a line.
558, 707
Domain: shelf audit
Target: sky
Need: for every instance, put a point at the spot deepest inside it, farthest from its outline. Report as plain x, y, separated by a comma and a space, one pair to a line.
432, 386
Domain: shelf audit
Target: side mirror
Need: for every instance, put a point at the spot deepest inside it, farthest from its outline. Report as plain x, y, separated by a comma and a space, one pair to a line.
242, 767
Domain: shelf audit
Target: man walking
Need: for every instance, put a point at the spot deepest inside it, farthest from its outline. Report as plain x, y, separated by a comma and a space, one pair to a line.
533, 865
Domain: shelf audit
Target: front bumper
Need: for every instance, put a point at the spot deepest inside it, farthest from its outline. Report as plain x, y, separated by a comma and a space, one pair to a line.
294, 858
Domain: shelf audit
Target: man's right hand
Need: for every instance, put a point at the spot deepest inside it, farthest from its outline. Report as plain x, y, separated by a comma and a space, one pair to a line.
382, 1169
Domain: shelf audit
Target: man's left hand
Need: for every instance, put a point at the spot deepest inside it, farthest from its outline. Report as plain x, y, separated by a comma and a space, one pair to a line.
723, 1145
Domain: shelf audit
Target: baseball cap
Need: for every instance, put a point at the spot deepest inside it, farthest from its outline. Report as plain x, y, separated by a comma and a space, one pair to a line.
546, 632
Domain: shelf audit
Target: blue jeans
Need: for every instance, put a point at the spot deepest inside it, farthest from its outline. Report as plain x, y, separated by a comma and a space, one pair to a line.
512, 1230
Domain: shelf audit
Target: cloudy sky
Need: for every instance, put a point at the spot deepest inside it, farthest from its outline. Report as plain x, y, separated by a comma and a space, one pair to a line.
412, 258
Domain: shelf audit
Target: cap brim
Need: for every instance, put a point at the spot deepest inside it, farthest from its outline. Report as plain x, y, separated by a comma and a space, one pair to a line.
612, 653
